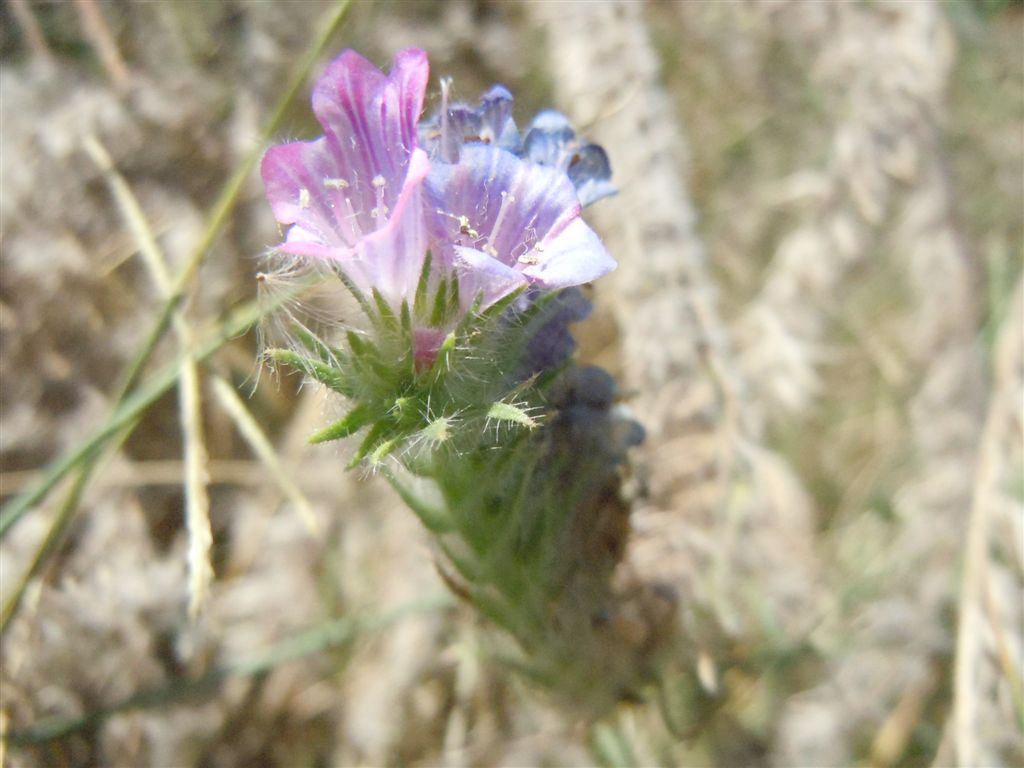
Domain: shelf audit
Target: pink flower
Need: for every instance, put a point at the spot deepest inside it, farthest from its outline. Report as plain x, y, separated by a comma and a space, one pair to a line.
366, 197
354, 195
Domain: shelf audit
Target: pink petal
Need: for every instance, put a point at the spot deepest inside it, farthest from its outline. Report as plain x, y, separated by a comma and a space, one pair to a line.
370, 118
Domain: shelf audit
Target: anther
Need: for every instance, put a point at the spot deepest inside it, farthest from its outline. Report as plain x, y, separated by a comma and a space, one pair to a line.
465, 229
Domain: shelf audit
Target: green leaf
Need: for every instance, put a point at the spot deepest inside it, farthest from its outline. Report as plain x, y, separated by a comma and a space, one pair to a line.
405, 408
612, 747
353, 421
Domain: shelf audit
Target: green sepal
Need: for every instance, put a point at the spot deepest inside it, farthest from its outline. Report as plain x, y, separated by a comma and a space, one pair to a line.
405, 316
439, 430
419, 306
443, 362
453, 297
385, 313
377, 435
384, 449
316, 345
357, 294
328, 376
352, 422
498, 307
359, 346
502, 411
437, 315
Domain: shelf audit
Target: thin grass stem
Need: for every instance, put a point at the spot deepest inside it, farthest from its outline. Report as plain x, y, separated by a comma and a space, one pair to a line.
130, 408
196, 475
250, 430
134, 405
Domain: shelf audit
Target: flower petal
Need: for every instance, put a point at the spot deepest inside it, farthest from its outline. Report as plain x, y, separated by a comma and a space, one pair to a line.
523, 215
481, 274
590, 172
572, 257
546, 139
391, 259
492, 201
445, 132
551, 140
303, 182
370, 119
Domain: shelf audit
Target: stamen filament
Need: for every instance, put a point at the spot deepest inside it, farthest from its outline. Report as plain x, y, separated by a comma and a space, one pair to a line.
506, 202
380, 213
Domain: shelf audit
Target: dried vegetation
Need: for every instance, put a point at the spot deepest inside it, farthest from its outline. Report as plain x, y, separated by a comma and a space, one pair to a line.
818, 316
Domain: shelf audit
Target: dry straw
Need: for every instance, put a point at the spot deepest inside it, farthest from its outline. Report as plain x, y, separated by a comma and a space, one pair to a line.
990, 641
887, 67
196, 475
887, 188
720, 505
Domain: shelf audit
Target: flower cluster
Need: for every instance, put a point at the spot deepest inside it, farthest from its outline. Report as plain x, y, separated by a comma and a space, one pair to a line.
459, 199
461, 238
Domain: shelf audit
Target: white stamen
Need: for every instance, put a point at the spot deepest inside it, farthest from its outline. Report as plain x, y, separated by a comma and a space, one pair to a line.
379, 213
354, 218
506, 202
303, 198
335, 183
446, 84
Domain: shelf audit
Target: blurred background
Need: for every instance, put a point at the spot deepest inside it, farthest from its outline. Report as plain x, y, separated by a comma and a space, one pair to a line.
817, 316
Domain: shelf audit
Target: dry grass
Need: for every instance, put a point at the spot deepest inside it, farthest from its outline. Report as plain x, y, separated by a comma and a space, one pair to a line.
817, 315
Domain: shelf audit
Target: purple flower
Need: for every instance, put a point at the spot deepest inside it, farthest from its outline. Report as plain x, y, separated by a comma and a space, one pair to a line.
456, 124
553, 343
506, 223
551, 140
355, 194
366, 196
